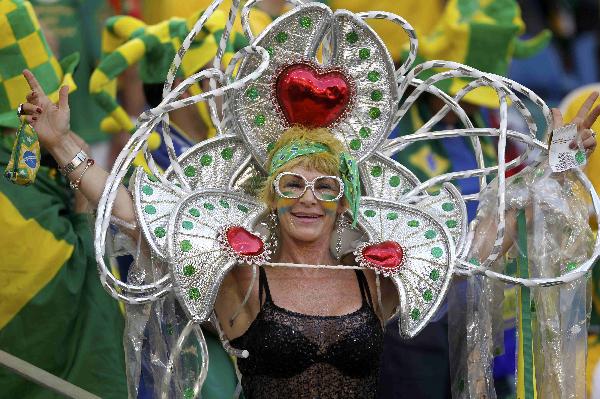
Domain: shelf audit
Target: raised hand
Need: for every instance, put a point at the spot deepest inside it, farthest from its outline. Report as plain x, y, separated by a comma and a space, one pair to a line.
585, 118
50, 121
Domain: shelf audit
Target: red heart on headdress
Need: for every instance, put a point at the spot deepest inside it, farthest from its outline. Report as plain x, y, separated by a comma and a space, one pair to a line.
312, 98
386, 255
243, 242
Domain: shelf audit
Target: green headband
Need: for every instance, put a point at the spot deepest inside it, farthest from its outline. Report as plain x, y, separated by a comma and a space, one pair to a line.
348, 169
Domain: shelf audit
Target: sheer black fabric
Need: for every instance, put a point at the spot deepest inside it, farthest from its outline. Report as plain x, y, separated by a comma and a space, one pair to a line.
294, 355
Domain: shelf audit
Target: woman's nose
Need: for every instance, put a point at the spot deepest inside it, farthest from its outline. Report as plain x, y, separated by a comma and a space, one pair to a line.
308, 196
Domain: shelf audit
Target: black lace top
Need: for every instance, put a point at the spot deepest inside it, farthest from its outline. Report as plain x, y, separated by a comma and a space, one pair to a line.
293, 355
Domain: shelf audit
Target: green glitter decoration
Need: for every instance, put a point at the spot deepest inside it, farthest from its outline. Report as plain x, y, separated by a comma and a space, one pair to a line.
188, 393
364, 132
160, 232
376, 171
451, 224
430, 234
376, 95
474, 261
580, 157
259, 120
392, 216
370, 213
270, 146
394, 181
147, 190
448, 206
185, 245
539, 172
150, 209
413, 223
271, 51
189, 270
186, 224
374, 76
364, 53
571, 266
243, 208
194, 212
227, 153
206, 160
282, 37
252, 93
209, 206
355, 144
427, 295
224, 204
189, 171
434, 275
305, 22
194, 294
437, 252
374, 113
352, 37
415, 314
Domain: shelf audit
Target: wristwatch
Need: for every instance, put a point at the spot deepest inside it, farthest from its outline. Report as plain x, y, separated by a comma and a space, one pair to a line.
79, 158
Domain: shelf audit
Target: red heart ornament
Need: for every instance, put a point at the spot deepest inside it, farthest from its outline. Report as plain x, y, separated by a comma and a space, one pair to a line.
312, 98
243, 242
386, 255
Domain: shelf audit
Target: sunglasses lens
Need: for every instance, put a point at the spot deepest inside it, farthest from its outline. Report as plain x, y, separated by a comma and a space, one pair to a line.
327, 189
291, 186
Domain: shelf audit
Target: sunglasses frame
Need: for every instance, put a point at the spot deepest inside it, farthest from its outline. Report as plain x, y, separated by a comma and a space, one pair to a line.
308, 184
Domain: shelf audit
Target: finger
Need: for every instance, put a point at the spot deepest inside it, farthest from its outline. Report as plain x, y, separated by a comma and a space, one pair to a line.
32, 97
591, 118
589, 143
587, 105
586, 134
63, 97
31, 119
557, 119
32, 81
30, 109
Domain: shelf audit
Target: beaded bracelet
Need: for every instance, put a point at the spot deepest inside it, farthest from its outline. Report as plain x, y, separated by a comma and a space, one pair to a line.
75, 184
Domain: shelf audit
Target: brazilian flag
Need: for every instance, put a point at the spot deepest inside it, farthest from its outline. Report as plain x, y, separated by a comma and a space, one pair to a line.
54, 313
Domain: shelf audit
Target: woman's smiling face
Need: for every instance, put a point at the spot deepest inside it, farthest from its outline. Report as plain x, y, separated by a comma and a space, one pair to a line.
306, 219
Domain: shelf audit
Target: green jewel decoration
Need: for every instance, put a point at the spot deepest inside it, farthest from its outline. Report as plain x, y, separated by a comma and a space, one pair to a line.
194, 294
206, 160
185, 245
474, 261
451, 224
281, 37
224, 204
194, 212
434, 275
376, 95
392, 216
374, 76
376, 171
364, 132
355, 144
150, 209
437, 252
259, 120
427, 295
189, 171
352, 37
370, 213
147, 190
188, 393
430, 234
571, 266
448, 206
394, 181
209, 206
580, 157
364, 53
252, 93
186, 224
227, 153
374, 113
160, 232
189, 270
415, 314
271, 51
243, 208
413, 223
305, 22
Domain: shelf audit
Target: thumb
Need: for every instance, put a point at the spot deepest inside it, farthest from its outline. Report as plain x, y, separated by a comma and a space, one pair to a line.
63, 98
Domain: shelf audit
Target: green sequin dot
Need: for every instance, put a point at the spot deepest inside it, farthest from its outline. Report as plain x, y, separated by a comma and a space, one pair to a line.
186, 224
392, 216
352, 37
188, 393
376, 95
147, 190
374, 76
415, 314
434, 275
413, 223
571, 266
189, 270
376, 171
271, 51
227, 153
451, 224
209, 206
243, 208
448, 206
474, 261
580, 157
430, 234
370, 213
364, 53
224, 204
150, 209
374, 113
355, 144
364, 132
185, 245
252, 93
160, 232
305, 22
194, 212
394, 181
427, 295
437, 252
206, 160
189, 171
282, 37
194, 294
259, 120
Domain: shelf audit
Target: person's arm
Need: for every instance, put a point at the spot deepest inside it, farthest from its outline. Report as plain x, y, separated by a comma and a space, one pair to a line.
51, 122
